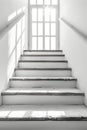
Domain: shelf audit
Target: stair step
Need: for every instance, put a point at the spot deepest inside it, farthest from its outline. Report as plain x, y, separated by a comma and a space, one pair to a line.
43, 72
43, 64
47, 52
42, 96
43, 57
43, 82
43, 113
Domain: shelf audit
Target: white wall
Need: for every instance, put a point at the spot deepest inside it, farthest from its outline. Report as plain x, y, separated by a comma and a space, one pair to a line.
7, 7
75, 46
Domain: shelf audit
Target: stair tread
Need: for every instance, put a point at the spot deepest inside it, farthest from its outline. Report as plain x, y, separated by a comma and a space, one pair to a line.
43, 91
43, 113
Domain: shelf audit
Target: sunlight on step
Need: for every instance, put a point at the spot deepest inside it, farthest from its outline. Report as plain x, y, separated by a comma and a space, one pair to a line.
56, 114
17, 114
4, 114
39, 114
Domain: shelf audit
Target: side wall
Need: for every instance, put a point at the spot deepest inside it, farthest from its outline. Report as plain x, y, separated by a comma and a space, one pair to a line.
7, 8
74, 45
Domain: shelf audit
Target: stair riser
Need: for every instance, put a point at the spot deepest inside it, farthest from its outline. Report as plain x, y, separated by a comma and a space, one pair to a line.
43, 65
43, 125
41, 83
42, 53
47, 100
43, 73
41, 58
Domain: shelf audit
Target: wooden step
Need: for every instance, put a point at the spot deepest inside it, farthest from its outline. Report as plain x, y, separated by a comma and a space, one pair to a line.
59, 82
43, 72
42, 96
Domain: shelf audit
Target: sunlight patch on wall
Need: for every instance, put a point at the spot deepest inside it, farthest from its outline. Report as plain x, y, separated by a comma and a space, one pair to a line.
16, 40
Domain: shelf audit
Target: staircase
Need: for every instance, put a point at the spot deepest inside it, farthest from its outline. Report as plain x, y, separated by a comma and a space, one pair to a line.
43, 95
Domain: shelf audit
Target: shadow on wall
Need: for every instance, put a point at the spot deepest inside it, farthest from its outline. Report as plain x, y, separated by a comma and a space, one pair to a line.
16, 41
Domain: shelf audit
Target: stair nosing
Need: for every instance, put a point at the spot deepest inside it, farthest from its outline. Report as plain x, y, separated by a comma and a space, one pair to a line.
59, 61
43, 50
46, 69
44, 78
41, 94
44, 55
44, 119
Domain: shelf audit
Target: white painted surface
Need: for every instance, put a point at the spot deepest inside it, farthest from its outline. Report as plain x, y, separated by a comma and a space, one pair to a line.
43, 64
44, 100
7, 8
42, 53
43, 73
54, 58
41, 83
75, 46
77, 111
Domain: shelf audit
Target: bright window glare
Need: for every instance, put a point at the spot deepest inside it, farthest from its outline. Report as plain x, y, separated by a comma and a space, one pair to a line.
47, 14
34, 14
39, 2
47, 29
53, 43
40, 29
53, 14
40, 43
47, 43
40, 14
32, 2
54, 2
34, 29
53, 29
47, 2
34, 43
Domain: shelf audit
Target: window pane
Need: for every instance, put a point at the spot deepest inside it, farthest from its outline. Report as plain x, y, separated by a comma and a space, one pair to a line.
53, 29
53, 43
53, 14
34, 14
54, 2
40, 14
32, 2
34, 28
47, 29
40, 43
47, 14
47, 2
34, 43
40, 2
47, 43
40, 29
